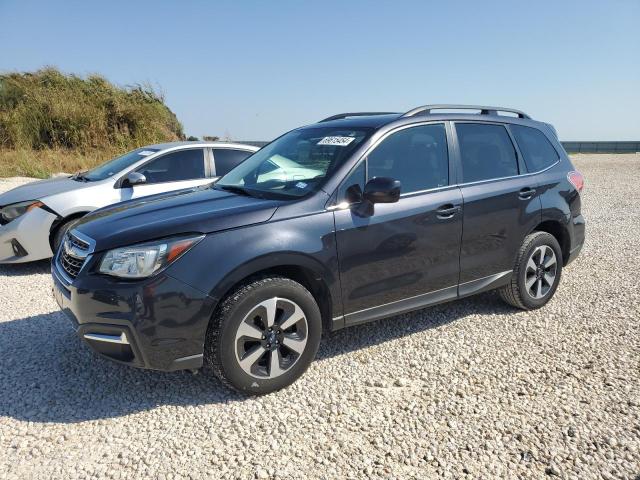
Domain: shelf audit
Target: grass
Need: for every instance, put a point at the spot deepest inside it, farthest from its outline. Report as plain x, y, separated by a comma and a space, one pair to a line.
52, 122
43, 163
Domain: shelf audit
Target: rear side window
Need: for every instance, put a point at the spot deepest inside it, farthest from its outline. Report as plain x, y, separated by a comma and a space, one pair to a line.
175, 166
416, 156
536, 149
486, 152
227, 158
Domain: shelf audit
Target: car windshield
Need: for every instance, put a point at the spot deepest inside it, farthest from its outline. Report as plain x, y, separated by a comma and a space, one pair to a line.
116, 165
295, 164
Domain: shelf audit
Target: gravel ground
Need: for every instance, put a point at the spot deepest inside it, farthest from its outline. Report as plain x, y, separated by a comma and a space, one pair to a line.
472, 389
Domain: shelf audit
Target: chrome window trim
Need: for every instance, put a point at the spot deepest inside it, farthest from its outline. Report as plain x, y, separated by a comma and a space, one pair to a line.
164, 153
508, 178
375, 144
344, 205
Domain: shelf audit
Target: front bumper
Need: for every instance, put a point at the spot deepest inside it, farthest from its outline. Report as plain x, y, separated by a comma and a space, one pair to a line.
158, 323
26, 238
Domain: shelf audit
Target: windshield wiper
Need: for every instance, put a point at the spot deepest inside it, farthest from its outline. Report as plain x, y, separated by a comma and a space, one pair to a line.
238, 189
80, 177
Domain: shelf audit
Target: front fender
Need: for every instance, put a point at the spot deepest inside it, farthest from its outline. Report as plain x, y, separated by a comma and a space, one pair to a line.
224, 259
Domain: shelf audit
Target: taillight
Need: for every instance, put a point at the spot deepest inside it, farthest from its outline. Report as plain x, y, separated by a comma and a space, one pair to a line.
576, 179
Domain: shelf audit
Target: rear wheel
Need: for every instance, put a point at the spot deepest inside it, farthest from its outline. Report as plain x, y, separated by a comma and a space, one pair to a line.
264, 335
536, 274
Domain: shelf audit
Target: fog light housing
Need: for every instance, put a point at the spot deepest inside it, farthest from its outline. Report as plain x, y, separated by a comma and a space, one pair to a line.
18, 249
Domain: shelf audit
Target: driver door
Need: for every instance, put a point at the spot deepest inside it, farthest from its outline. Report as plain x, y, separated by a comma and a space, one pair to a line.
400, 256
172, 171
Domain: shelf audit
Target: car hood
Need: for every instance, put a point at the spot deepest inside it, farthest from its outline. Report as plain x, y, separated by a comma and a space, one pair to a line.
202, 210
41, 189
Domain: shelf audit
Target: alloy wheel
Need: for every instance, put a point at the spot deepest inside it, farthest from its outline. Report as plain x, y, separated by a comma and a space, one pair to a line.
541, 271
271, 338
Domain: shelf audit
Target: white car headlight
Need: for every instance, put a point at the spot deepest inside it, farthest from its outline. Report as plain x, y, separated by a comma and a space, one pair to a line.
140, 261
11, 212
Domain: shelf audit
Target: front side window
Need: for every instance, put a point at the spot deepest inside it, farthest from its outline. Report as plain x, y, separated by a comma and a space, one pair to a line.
486, 152
536, 149
295, 164
416, 156
174, 167
228, 158
118, 164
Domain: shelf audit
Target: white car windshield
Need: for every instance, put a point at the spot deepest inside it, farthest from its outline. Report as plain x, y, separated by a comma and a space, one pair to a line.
295, 164
116, 165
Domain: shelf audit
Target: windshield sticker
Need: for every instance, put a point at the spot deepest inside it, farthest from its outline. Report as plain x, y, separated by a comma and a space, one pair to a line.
337, 141
301, 185
144, 153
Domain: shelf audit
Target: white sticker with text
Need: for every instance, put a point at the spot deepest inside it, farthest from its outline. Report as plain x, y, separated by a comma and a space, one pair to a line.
337, 141
144, 153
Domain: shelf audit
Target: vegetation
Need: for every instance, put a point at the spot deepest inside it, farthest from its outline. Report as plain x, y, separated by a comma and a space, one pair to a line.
51, 122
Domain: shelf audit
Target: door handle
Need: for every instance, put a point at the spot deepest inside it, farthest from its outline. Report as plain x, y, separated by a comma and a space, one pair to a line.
526, 193
447, 211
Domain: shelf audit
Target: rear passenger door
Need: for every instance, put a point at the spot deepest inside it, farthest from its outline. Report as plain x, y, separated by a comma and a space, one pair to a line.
501, 203
226, 159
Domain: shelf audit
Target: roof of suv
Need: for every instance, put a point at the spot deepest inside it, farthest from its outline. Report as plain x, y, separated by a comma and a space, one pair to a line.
451, 112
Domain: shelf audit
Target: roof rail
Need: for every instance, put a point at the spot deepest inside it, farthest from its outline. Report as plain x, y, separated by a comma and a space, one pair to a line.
484, 110
353, 114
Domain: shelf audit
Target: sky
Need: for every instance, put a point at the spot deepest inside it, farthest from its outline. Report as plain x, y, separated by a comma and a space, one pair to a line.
251, 70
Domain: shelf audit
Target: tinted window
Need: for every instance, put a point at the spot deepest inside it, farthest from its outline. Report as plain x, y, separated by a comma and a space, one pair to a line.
486, 152
416, 156
537, 151
228, 158
176, 166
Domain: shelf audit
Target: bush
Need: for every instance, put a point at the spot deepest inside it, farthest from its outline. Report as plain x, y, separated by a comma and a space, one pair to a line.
51, 110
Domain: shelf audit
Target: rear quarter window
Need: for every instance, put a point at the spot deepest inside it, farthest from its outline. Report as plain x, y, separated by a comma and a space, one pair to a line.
537, 151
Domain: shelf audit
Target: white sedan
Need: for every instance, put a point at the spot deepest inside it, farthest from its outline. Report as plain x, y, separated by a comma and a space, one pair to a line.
35, 216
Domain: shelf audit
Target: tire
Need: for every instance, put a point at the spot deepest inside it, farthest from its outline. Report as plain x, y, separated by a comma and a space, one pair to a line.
536, 274
61, 231
241, 350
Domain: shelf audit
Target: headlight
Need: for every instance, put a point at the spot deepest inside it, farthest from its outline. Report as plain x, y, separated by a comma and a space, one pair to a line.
11, 212
140, 261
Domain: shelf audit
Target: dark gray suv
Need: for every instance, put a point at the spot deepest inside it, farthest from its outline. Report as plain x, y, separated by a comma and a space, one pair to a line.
358, 217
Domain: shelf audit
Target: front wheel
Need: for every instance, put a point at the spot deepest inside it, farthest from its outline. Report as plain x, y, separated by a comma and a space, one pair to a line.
264, 335
536, 274
60, 232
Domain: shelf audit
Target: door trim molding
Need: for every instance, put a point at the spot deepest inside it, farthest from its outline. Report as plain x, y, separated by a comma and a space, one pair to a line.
421, 301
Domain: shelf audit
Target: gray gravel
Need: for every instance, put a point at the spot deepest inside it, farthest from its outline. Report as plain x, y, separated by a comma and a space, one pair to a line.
472, 389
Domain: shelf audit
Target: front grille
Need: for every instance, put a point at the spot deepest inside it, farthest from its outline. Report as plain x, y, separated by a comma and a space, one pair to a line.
73, 253
76, 242
70, 264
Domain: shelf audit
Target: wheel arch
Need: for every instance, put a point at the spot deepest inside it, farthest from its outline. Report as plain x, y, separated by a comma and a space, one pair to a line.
62, 220
561, 234
307, 271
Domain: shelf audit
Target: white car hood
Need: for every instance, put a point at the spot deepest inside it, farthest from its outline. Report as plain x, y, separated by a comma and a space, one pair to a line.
41, 189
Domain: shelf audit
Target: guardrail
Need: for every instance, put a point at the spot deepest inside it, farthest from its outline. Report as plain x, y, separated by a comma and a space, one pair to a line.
601, 147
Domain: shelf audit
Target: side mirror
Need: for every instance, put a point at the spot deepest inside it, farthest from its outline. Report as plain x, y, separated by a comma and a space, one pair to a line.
382, 190
134, 178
